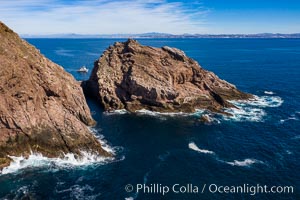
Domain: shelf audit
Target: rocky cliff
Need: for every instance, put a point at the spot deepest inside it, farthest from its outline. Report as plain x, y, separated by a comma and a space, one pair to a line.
42, 107
133, 77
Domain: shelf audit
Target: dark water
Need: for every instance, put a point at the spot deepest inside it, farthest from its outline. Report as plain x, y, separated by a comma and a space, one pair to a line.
258, 145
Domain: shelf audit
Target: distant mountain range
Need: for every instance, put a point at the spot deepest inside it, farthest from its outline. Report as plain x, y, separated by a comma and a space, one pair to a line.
166, 35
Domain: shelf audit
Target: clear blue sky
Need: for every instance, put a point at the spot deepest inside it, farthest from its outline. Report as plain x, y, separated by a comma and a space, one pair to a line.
140, 16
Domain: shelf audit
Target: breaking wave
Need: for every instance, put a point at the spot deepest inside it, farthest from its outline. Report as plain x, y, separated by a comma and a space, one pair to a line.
245, 110
69, 160
36, 160
245, 163
291, 117
269, 92
129, 198
194, 147
116, 112
245, 114
288, 119
252, 109
104, 144
263, 101
153, 113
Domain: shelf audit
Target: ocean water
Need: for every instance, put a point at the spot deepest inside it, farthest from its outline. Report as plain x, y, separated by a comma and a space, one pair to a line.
259, 144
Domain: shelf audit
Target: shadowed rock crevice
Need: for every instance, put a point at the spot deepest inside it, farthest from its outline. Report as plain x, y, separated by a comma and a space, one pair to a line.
131, 76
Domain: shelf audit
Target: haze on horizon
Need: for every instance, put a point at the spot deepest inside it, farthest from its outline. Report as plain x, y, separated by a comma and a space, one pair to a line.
141, 16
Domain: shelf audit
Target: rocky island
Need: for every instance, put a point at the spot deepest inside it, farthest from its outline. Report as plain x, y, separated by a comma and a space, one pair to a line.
42, 107
134, 77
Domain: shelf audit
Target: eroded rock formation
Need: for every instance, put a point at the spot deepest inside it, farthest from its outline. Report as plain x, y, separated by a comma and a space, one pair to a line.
42, 107
133, 77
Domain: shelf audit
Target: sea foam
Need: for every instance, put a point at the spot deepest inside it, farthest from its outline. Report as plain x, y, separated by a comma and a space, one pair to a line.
69, 160
261, 101
252, 109
103, 142
116, 112
194, 147
129, 198
244, 163
241, 163
288, 119
269, 92
153, 113
245, 110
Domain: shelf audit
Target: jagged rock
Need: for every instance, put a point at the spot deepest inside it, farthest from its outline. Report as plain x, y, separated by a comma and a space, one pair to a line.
42, 107
131, 76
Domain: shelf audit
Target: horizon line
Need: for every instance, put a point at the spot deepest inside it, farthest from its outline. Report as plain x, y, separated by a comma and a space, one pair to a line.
162, 35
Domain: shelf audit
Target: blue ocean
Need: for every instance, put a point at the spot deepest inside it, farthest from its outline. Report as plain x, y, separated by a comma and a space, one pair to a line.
258, 145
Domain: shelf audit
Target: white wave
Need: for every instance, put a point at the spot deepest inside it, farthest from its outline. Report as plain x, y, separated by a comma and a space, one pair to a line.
194, 147
263, 101
252, 109
244, 163
246, 110
245, 114
68, 160
103, 142
116, 112
38, 160
269, 92
288, 119
154, 113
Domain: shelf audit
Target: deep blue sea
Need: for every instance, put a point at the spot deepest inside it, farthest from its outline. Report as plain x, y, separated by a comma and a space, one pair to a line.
258, 145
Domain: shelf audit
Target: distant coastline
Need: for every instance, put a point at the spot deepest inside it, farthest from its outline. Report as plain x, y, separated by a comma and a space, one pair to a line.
165, 35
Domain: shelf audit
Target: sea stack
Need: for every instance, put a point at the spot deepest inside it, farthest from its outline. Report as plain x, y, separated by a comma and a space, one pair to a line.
42, 107
133, 77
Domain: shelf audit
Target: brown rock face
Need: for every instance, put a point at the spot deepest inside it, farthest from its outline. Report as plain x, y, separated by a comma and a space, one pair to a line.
131, 76
42, 107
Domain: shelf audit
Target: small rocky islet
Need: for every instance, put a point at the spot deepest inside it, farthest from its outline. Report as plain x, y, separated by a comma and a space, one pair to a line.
43, 108
131, 76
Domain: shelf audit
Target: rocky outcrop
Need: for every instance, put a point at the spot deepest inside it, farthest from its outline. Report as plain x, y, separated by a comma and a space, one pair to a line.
42, 107
133, 77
